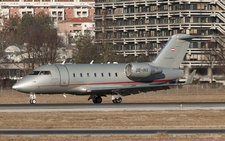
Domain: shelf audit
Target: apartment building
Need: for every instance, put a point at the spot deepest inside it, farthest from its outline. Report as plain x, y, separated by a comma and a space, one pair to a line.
59, 10
143, 27
74, 27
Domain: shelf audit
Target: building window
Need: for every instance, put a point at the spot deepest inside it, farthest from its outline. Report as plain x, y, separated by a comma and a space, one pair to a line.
200, 6
198, 44
193, 31
165, 7
191, 6
153, 8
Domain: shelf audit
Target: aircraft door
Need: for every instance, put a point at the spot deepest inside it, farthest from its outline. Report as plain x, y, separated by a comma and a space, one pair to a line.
64, 75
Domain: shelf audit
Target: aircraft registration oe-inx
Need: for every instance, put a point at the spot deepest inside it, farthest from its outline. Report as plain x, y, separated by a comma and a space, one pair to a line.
97, 80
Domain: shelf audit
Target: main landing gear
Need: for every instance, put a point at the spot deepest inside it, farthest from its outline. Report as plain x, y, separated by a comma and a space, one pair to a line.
116, 99
32, 98
98, 99
95, 99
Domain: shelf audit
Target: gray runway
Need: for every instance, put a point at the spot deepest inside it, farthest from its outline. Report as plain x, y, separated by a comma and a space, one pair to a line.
111, 107
109, 131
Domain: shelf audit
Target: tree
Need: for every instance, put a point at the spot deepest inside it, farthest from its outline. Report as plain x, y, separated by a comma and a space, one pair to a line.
86, 49
42, 42
214, 55
10, 27
24, 28
3, 43
103, 41
37, 39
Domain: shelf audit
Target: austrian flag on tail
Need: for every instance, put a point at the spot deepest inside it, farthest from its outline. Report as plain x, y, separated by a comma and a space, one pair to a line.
172, 49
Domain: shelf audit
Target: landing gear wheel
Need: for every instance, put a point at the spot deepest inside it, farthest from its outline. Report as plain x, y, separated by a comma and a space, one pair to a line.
97, 99
117, 100
33, 101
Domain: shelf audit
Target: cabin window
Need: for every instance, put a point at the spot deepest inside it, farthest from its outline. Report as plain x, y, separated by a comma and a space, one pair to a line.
81, 75
34, 73
109, 74
87, 74
102, 74
45, 73
74, 75
95, 74
116, 74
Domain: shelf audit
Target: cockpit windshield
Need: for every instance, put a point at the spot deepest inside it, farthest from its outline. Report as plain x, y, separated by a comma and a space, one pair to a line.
34, 73
40, 73
45, 73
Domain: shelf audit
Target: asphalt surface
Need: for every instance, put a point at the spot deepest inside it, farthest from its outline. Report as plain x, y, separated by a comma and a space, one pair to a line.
108, 131
110, 107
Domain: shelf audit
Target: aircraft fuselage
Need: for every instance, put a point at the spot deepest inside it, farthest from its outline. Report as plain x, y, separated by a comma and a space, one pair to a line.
78, 78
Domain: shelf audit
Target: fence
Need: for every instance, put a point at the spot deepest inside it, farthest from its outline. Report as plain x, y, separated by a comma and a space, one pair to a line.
205, 88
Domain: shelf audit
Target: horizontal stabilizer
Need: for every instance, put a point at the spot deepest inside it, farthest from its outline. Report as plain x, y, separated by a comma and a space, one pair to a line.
190, 78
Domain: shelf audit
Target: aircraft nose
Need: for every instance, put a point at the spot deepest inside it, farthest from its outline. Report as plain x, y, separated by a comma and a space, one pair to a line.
16, 86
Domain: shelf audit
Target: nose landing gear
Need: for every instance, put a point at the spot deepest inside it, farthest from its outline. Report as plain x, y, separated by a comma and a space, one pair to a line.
32, 98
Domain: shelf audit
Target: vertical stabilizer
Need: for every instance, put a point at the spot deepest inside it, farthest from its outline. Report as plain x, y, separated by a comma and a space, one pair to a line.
173, 52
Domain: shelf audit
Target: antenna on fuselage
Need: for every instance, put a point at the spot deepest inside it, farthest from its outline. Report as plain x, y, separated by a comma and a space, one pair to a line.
63, 62
91, 61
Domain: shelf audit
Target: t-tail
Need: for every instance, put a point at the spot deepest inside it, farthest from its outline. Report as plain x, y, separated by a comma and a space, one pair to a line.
174, 51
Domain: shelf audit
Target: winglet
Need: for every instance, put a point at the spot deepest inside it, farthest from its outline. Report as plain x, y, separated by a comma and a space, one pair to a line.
190, 78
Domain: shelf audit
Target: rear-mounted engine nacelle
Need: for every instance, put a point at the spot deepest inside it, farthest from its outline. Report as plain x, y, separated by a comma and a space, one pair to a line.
140, 70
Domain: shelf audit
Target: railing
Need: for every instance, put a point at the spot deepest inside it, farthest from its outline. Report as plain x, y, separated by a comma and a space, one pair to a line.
221, 16
220, 40
221, 28
221, 4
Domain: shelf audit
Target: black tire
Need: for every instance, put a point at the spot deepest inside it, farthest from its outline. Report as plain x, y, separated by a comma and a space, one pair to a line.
114, 101
97, 99
33, 101
117, 100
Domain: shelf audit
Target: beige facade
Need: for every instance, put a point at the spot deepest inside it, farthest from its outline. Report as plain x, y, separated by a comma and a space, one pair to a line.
143, 27
75, 27
59, 10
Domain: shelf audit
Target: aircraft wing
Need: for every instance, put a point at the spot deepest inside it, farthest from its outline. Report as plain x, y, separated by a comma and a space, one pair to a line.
129, 89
